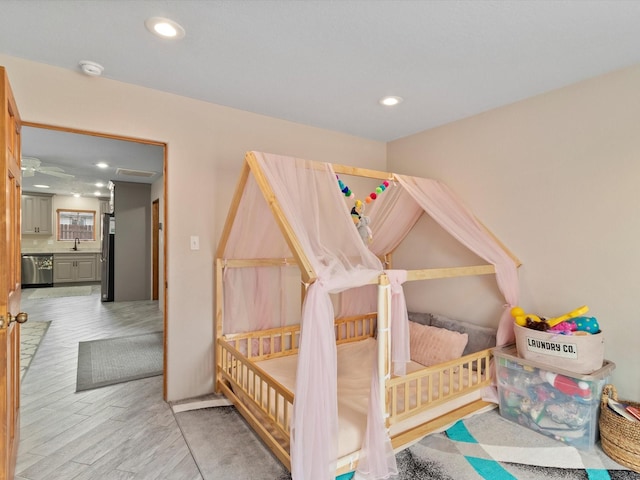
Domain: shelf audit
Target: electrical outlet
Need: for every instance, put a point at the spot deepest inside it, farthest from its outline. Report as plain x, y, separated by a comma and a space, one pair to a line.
195, 242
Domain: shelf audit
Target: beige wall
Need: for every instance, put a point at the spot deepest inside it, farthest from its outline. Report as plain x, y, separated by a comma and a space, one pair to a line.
555, 177
206, 144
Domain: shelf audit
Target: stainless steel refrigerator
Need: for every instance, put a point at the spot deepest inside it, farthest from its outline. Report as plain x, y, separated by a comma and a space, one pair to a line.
107, 255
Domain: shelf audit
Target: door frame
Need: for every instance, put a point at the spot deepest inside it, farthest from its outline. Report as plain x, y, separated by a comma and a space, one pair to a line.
155, 234
164, 219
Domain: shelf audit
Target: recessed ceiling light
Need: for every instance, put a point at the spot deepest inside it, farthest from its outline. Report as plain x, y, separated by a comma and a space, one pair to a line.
99, 184
42, 186
96, 193
390, 101
102, 165
165, 28
77, 195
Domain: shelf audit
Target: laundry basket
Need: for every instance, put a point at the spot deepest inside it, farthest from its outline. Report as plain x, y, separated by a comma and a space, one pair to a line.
620, 437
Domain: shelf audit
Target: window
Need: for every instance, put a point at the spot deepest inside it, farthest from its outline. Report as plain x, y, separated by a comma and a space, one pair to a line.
78, 224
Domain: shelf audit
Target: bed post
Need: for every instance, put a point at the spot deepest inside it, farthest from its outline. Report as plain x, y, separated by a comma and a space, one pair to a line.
218, 325
384, 341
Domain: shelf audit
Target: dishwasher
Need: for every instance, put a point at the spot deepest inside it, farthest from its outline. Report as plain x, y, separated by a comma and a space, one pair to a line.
37, 270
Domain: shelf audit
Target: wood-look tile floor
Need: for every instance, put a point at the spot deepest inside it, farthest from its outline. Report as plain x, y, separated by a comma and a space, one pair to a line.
123, 431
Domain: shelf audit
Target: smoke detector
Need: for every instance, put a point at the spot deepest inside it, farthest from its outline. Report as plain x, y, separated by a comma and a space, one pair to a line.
90, 68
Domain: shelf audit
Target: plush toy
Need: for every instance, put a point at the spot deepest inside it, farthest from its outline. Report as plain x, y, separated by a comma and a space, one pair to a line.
567, 385
364, 230
587, 325
356, 212
522, 318
565, 328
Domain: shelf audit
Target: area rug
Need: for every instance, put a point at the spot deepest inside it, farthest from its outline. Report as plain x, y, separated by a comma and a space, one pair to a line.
116, 360
483, 447
31, 334
490, 447
55, 292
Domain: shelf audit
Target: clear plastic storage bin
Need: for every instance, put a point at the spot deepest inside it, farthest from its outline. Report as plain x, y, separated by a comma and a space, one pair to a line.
557, 403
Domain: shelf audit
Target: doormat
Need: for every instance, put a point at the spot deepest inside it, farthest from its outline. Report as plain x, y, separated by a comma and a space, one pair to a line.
55, 292
116, 360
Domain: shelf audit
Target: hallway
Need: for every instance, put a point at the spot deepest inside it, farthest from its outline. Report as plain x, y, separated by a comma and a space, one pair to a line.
124, 431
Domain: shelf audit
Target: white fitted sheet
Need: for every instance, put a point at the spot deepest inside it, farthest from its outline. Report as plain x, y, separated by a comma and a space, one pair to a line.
355, 364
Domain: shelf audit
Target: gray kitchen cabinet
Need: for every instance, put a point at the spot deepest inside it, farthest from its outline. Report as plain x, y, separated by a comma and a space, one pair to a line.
36, 215
75, 267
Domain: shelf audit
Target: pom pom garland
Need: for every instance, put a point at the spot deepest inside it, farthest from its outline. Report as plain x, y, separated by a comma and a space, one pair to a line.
372, 196
344, 189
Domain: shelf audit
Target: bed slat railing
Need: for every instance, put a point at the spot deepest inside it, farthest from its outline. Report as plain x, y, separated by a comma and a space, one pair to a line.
277, 342
264, 344
249, 381
351, 329
239, 352
431, 386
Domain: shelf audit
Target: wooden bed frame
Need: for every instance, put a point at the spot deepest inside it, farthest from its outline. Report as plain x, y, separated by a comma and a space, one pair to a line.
268, 406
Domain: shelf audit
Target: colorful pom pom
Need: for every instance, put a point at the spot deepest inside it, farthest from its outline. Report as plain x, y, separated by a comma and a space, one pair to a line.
372, 196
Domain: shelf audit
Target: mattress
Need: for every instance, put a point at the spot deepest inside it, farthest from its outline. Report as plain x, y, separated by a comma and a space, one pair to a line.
355, 361
355, 364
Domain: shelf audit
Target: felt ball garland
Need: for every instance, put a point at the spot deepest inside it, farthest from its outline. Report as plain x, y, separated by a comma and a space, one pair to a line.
343, 188
371, 197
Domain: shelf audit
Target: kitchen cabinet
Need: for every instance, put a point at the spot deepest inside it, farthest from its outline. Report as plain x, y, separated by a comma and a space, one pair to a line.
75, 267
36, 215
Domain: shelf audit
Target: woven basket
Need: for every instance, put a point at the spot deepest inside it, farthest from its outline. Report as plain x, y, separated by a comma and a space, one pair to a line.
620, 438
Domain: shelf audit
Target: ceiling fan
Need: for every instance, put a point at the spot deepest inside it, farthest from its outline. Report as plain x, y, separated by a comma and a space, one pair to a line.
31, 165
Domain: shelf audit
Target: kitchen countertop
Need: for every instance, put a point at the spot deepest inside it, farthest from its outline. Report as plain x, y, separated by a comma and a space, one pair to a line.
27, 251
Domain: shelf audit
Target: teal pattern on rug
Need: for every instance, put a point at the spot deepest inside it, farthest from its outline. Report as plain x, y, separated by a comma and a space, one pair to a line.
492, 470
489, 469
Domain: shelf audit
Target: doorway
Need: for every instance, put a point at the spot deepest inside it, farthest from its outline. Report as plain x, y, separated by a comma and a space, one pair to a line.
67, 161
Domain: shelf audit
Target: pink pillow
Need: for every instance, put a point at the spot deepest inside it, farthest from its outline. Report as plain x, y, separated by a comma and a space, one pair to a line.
432, 345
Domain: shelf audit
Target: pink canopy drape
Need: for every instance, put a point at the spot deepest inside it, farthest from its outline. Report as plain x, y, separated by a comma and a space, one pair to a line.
308, 194
445, 208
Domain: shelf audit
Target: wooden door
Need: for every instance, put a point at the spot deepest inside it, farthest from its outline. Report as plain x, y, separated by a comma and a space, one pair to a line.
10, 178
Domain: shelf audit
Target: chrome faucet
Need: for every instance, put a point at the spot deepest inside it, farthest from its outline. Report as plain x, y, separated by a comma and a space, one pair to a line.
76, 242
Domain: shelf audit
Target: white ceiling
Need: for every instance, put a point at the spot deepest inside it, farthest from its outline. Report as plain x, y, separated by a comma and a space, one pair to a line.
326, 63
76, 154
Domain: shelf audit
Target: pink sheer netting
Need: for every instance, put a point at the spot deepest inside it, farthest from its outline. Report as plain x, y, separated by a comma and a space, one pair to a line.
309, 196
254, 234
400, 354
444, 207
377, 458
392, 218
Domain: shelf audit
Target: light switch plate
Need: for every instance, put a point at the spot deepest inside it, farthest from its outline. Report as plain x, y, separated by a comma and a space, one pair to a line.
195, 242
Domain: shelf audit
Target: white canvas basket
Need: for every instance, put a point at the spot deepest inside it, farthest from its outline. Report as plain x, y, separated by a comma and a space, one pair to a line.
576, 353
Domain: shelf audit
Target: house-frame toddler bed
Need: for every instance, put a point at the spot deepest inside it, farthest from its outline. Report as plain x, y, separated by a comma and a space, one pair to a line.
328, 392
